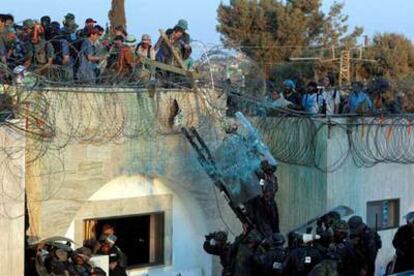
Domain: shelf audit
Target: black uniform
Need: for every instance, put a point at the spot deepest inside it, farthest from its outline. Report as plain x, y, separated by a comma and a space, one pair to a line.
262, 210
349, 263
221, 250
301, 260
367, 244
241, 254
118, 271
271, 262
404, 244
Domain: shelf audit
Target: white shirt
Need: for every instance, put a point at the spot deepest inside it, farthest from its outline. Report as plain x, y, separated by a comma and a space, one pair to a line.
144, 52
331, 97
281, 102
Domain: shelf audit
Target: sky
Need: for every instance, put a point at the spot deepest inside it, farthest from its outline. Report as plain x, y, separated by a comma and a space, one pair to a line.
147, 16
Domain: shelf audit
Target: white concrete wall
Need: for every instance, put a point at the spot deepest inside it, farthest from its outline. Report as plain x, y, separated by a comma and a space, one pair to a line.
189, 224
12, 179
354, 187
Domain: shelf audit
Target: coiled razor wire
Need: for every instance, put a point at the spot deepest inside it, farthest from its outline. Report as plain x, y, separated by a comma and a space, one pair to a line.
55, 114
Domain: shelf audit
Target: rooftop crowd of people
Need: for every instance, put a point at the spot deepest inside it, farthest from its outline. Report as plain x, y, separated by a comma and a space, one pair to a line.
327, 99
91, 54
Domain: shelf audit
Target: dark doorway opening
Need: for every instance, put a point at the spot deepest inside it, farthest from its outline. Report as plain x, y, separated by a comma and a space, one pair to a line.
141, 238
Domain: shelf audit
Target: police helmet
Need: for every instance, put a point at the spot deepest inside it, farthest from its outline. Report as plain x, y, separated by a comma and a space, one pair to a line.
409, 217
354, 222
220, 236
341, 226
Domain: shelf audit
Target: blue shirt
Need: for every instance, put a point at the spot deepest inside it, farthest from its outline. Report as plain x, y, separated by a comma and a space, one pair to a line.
356, 99
312, 102
87, 69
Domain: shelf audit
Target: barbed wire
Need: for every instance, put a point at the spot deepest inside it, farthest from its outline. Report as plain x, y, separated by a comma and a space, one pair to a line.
54, 114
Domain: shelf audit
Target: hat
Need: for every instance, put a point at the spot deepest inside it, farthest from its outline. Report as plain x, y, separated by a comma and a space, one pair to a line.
70, 16
341, 226
111, 239
409, 217
267, 167
28, 23
90, 20
289, 84
55, 24
333, 216
254, 236
220, 236
69, 22
45, 20
182, 24
93, 31
145, 37
355, 222
356, 225
130, 40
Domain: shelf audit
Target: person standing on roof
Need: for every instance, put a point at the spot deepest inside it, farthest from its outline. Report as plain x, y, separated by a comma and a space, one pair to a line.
39, 52
120, 59
45, 24
89, 25
62, 58
312, 100
331, 97
359, 101
69, 27
145, 48
179, 39
276, 99
10, 22
89, 59
290, 94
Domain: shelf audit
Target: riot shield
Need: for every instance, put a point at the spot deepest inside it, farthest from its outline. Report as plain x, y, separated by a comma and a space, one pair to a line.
310, 226
237, 164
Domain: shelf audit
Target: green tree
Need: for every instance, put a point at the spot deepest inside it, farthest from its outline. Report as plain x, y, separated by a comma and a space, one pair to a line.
394, 54
272, 31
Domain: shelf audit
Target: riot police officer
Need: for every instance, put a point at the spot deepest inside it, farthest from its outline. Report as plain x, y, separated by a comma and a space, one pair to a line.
404, 245
216, 244
302, 257
366, 242
271, 261
342, 251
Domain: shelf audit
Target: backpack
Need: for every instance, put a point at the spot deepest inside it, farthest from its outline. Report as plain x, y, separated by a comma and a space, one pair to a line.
58, 46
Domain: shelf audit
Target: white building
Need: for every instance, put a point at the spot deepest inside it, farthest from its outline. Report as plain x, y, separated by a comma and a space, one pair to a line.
158, 197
